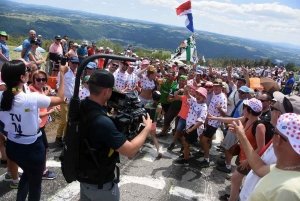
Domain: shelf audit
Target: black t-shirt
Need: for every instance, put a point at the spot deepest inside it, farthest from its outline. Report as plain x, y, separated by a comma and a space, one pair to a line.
104, 130
266, 116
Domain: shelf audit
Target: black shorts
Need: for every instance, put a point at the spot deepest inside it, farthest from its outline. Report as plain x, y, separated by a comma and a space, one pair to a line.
165, 107
191, 137
243, 172
171, 114
209, 131
45, 141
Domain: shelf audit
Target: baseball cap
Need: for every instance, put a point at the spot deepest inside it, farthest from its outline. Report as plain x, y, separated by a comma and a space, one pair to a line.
75, 44
91, 65
3, 33
286, 103
101, 48
291, 73
102, 78
184, 77
74, 59
208, 84
289, 125
202, 91
34, 41
84, 42
199, 72
57, 37
254, 104
244, 89
236, 76
86, 78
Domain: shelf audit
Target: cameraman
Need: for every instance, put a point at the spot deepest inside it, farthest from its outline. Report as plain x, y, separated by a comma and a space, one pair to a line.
55, 49
103, 132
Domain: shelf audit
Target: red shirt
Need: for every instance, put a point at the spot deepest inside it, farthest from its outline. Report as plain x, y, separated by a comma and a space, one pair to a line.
91, 51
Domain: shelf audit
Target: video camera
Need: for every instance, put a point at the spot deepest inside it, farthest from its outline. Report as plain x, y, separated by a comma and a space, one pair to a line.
129, 113
58, 58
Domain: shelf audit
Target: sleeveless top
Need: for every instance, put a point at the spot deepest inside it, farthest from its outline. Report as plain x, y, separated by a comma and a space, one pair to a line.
37, 56
251, 138
44, 118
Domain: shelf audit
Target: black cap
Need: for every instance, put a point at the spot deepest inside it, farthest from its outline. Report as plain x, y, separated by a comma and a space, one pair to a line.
57, 37
102, 78
34, 41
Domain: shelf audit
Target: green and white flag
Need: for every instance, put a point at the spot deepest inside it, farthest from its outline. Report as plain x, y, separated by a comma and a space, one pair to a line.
186, 51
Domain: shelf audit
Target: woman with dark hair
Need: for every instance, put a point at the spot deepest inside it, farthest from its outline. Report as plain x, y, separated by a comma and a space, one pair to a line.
34, 55
70, 45
147, 84
20, 116
252, 109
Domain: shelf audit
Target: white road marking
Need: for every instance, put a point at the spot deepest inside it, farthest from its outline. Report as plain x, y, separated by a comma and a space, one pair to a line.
152, 154
185, 193
67, 193
147, 181
71, 191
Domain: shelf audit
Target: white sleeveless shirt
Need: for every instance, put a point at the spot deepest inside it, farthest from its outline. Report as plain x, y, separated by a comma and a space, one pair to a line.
22, 121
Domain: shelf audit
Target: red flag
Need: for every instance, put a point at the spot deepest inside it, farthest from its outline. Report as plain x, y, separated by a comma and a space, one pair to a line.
184, 8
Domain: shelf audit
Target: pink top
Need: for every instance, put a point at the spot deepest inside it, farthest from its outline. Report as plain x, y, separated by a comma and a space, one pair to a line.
54, 48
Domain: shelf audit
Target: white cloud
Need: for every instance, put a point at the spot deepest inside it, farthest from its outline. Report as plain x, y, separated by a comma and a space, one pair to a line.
265, 21
154, 9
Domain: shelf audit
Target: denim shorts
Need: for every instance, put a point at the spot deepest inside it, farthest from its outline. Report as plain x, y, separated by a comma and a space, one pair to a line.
181, 124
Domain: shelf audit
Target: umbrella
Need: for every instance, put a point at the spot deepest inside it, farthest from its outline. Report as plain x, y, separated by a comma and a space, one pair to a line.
255, 83
269, 85
19, 49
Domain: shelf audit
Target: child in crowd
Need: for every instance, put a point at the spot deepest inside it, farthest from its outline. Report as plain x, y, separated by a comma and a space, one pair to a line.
194, 122
85, 92
155, 104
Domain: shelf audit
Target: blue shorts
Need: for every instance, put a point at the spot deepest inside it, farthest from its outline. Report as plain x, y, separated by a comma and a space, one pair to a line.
181, 124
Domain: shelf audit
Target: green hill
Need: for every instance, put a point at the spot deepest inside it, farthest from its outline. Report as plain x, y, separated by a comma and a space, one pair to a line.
17, 18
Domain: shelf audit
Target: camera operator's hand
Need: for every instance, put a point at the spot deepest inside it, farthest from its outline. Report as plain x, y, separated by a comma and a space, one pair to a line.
147, 122
63, 69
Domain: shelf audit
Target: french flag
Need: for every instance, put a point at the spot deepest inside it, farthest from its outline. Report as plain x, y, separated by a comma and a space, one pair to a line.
186, 9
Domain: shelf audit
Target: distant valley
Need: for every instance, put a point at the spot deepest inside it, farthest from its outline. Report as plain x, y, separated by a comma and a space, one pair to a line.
17, 18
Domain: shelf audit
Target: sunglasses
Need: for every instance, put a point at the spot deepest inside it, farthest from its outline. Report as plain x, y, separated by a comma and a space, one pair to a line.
116, 65
275, 133
89, 68
74, 62
241, 92
262, 100
41, 79
2, 36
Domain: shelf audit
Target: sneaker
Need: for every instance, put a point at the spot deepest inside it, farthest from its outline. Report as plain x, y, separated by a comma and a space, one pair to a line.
181, 149
181, 162
223, 169
182, 155
171, 146
221, 163
49, 175
13, 185
198, 154
203, 164
8, 176
59, 142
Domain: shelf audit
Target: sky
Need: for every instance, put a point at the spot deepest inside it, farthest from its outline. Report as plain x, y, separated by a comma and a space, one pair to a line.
265, 20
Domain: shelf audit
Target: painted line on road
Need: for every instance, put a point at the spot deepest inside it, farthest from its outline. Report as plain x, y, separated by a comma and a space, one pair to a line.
158, 183
67, 193
186, 193
72, 190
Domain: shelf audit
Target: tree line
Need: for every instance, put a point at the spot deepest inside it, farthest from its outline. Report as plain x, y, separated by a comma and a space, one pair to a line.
17, 39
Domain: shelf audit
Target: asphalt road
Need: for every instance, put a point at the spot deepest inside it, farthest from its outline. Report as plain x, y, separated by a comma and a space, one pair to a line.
143, 178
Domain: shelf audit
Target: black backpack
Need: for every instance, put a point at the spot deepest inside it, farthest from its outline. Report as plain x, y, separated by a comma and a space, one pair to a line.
78, 160
269, 132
